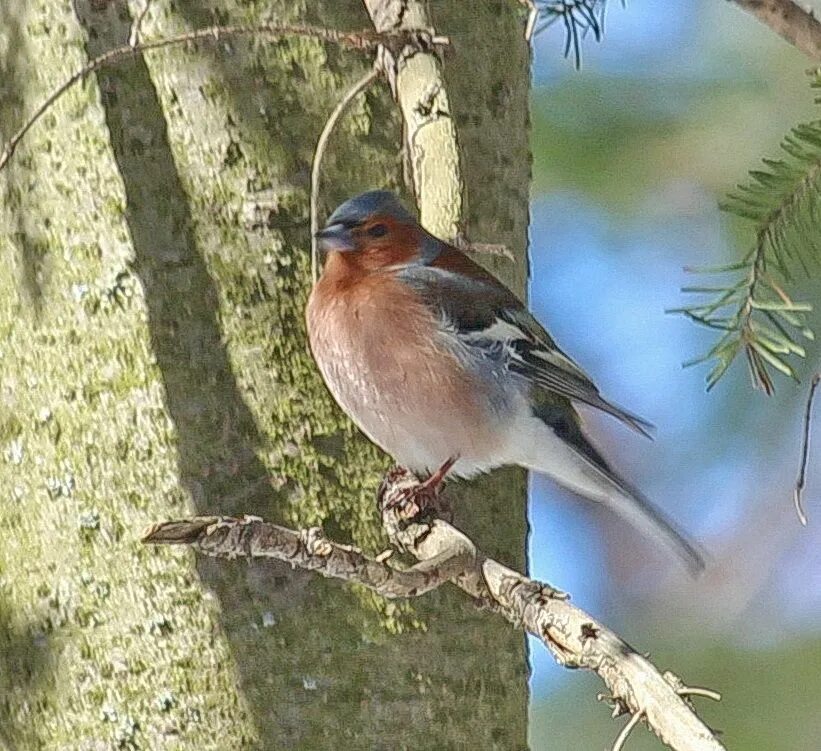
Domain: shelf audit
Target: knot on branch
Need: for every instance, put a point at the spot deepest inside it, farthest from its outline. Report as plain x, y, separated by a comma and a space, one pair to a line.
315, 542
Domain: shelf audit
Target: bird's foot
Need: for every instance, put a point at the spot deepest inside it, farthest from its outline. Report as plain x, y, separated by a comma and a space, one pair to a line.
412, 501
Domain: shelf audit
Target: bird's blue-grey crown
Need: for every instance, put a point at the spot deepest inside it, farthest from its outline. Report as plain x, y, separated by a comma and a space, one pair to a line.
339, 232
375, 202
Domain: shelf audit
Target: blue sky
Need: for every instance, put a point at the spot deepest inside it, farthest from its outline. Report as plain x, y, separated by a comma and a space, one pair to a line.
601, 283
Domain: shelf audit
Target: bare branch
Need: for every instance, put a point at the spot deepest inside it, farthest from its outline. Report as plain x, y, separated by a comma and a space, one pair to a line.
361, 85
447, 555
251, 537
801, 480
790, 21
418, 84
367, 40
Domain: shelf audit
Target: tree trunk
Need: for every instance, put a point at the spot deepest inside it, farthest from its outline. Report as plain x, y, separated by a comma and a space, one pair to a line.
153, 363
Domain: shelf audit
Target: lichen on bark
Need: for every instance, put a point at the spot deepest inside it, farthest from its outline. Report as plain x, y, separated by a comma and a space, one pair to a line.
153, 363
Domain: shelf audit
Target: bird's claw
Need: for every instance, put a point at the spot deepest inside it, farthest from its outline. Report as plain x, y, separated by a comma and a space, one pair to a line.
411, 502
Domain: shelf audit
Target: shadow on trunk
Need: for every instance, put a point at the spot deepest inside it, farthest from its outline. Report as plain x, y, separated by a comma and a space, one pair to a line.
323, 675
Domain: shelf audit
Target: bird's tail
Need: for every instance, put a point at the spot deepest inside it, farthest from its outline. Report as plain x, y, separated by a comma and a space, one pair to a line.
566, 455
646, 518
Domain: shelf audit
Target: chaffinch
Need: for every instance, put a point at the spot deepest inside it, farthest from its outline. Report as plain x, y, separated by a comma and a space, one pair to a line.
436, 361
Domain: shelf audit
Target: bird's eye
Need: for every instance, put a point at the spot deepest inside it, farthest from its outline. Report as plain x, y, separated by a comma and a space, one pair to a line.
378, 230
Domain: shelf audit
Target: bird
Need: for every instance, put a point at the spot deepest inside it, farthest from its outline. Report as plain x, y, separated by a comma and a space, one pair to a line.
444, 368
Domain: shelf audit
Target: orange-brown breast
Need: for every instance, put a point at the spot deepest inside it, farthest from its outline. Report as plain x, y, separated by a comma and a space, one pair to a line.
385, 361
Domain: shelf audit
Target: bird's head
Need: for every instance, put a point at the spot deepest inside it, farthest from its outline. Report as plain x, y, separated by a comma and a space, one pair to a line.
378, 231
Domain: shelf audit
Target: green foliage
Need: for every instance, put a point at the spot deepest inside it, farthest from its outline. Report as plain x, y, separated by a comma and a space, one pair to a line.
579, 18
751, 307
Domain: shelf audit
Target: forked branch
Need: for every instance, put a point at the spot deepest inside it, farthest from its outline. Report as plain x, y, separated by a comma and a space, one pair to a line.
445, 554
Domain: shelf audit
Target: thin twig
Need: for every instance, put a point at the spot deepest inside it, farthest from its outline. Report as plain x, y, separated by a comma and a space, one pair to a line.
699, 691
361, 85
685, 691
532, 17
805, 452
621, 739
366, 40
790, 21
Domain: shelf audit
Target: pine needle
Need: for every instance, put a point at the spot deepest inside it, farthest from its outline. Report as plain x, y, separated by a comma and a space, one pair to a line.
579, 18
783, 201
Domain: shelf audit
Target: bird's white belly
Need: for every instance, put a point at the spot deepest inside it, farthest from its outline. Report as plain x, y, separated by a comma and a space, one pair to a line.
418, 406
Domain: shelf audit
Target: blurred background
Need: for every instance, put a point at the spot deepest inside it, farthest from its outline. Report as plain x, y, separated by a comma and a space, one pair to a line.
631, 155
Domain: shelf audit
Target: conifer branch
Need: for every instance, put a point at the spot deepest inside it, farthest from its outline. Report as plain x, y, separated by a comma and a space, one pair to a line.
753, 309
579, 18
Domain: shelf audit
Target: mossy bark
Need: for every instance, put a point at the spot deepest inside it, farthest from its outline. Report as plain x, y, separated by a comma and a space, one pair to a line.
153, 363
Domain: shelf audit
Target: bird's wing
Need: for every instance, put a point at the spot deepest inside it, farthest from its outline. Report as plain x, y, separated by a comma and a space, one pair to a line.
485, 314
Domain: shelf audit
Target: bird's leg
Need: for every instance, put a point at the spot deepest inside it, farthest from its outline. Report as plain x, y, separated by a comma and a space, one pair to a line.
412, 501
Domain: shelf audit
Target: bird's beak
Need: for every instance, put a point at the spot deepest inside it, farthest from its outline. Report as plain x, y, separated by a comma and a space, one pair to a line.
336, 237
